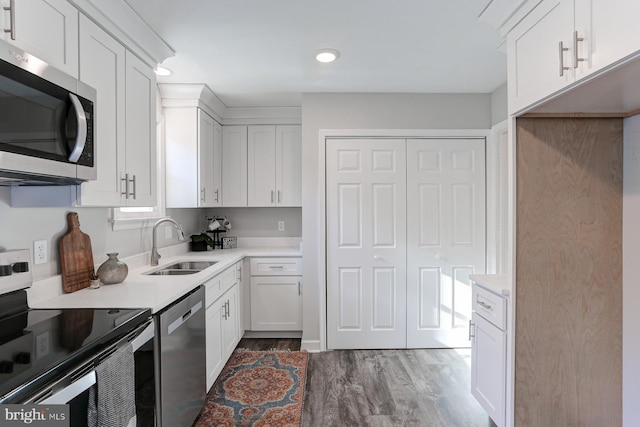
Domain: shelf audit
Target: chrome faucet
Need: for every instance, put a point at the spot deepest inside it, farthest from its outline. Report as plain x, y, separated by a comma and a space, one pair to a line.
155, 256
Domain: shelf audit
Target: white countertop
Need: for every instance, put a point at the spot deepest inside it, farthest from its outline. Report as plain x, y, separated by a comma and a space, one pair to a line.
496, 283
143, 291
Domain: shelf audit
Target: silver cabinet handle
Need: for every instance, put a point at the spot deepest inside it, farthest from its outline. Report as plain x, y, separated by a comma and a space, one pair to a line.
471, 334
299, 288
203, 192
81, 120
228, 309
561, 51
485, 305
224, 311
133, 185
126, 186
272, 196
12, 19
576, 58
279, 198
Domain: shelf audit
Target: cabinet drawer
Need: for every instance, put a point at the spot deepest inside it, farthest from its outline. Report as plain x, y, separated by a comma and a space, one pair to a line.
490, 306
227, 278
212, 290
276, 266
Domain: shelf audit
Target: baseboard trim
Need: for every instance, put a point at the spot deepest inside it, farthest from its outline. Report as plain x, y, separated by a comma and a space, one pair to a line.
312, 346
272, 334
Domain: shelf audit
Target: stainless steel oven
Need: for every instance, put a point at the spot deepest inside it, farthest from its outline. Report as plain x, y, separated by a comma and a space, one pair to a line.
46, 123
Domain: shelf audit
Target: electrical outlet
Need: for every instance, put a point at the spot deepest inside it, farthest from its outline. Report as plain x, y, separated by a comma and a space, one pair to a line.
42, 345
168, 233
40, 253
280, 225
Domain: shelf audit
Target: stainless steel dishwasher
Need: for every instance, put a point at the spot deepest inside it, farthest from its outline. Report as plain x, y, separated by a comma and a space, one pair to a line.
181, 361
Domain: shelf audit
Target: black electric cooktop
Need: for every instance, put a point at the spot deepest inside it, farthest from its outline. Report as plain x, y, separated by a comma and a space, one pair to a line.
37, 346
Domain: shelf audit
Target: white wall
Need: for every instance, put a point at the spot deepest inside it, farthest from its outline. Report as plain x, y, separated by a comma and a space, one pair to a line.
499, 100
365, 111
260, 222
631, 273
21, 226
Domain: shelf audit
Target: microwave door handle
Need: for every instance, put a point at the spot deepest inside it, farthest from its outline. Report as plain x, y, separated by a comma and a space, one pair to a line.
70, 392
81, 138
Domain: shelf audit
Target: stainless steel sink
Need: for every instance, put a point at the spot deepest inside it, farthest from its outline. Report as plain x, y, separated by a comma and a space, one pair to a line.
181, 268
190, 265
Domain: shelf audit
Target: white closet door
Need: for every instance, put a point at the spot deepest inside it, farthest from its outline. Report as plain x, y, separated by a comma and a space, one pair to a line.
366, 243
445, 239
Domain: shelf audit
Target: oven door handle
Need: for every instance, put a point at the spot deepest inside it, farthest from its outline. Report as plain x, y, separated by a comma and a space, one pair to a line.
70, 392
144, 337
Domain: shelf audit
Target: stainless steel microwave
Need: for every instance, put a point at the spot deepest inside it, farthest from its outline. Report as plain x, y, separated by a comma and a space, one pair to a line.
46, 123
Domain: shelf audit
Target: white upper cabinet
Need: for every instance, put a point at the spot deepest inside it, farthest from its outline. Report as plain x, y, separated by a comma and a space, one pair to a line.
234, 166
561, 41
609, 31
193, 158
125, 115
274, 166
288, 166
102, 66
538, 63
140, 107
47, 29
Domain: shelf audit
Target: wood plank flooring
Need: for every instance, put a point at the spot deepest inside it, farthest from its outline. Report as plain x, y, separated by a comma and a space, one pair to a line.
386, 387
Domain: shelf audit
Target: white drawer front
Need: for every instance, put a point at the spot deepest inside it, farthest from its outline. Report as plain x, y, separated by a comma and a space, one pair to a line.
276, 266
227, 278
490, 306
212, 290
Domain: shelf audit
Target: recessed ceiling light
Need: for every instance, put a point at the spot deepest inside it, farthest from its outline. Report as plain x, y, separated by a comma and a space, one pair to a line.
162, 71
327, 55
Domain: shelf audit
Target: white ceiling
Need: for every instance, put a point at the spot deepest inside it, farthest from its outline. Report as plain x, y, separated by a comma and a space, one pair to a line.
254, 53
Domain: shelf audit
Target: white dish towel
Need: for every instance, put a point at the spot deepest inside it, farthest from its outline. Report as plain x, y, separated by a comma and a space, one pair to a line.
112, 398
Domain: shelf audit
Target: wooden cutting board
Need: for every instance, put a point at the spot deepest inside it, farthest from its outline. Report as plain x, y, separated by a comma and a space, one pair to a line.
76, 257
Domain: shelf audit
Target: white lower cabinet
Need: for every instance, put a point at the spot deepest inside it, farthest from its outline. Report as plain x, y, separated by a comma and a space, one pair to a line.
222, 320
276, 294
489, 353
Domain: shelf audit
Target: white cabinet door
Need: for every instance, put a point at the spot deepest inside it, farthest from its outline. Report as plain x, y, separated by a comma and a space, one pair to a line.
535, 58
274, 166
231, 317
102, 66
288, 166
261, 144
215, 357
234, 166
47, 29
610, 32
216, 165
366, 243
140, 131
445, 239
208, 193
276, 303
488, 368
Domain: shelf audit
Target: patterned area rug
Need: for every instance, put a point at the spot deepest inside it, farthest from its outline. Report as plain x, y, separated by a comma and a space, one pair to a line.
258, 388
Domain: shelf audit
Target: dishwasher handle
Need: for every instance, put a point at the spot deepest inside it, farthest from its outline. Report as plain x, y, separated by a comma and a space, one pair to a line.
184, 317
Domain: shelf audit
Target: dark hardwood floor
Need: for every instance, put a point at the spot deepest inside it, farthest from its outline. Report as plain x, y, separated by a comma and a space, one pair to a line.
385, 387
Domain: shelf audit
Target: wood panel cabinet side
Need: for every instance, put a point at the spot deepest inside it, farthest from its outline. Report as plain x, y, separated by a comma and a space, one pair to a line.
568, 334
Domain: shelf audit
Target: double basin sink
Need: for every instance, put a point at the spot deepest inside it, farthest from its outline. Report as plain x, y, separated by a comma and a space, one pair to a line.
182, 268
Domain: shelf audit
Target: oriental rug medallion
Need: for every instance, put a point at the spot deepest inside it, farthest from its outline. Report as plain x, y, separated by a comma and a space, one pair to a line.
258, 388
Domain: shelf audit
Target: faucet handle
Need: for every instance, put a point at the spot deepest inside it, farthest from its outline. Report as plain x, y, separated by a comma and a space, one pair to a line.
180, 232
